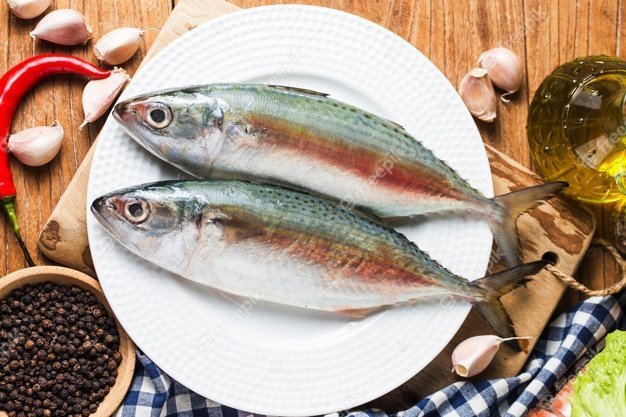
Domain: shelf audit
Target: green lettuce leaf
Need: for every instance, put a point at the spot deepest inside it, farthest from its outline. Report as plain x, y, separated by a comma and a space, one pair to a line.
601, 390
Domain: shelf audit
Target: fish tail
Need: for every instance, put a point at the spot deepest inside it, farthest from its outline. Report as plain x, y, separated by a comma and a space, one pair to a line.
495, 286
508, 208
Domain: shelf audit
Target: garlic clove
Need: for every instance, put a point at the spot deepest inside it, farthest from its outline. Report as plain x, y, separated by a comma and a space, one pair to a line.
118, 45
99, 95
478, 94
38, 145
28, 9
504, 69
63, 27
472, 356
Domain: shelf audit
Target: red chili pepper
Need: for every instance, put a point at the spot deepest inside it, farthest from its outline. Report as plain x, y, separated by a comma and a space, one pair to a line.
13, 86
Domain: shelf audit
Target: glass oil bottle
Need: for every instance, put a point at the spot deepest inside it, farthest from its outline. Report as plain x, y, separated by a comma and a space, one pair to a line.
577, 128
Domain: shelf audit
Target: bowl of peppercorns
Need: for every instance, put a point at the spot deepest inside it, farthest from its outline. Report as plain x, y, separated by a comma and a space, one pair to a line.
62, 353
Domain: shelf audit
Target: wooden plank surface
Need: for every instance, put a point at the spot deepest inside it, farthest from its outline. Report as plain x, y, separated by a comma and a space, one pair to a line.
59, 98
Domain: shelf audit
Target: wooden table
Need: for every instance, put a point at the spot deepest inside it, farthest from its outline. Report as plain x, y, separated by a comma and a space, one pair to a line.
451, 33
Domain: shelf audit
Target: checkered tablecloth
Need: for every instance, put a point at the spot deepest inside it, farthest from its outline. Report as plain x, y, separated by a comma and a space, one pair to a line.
570, 337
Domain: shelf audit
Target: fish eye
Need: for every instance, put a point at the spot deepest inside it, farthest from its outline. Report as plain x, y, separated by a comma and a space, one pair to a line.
159, 116
136, 211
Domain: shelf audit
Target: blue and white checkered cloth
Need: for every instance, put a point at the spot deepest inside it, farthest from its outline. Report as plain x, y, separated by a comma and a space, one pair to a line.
570, 337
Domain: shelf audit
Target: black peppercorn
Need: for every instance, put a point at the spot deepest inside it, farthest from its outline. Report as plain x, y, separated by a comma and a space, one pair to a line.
59, 352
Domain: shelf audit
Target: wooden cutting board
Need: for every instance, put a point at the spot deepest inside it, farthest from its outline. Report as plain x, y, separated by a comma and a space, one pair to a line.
560, 230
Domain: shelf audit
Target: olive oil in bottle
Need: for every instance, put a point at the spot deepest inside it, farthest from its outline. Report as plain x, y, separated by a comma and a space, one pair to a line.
577, 128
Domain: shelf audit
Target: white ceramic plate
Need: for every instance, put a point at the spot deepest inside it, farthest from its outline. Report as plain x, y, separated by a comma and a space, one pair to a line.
266, 358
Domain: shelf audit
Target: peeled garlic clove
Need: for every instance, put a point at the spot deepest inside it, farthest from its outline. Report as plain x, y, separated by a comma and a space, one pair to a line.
118, 45
37, 146
472, 356
478, 94
28, 9
63, 27
99, 95
504, 68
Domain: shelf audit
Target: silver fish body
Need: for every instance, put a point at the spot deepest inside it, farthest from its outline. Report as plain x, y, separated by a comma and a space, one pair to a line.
288, 247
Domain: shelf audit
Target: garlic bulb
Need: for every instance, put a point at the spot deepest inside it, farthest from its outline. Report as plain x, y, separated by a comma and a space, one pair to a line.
478, 94
63, 27
472, 356
504, 69
37, 146
118, 45
99, 95
28, 9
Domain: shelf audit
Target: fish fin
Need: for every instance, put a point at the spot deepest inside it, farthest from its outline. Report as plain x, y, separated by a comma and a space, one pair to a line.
495, 286
506, 281
358, 313
398, 125
234, 232
298, 90
494, 313
510, 207
233, 298
317, 93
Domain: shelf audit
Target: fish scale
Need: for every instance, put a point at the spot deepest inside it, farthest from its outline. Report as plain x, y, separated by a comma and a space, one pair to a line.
327, 217
335, 117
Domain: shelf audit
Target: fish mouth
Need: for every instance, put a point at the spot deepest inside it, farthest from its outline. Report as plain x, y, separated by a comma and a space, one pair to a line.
98, 207
125, 113
132, 109
120, 110
128, 115
102, 206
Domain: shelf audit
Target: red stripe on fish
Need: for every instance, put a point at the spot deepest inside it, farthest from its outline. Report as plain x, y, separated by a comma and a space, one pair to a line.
377, 270
386, 171
376, 267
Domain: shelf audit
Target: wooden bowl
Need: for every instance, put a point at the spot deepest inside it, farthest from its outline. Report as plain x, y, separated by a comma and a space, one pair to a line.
66, 276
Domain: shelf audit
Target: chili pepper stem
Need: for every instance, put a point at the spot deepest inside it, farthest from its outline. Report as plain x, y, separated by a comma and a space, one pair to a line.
8, 204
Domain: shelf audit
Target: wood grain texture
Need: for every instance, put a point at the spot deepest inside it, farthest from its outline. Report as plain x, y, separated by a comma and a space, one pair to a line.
39, 189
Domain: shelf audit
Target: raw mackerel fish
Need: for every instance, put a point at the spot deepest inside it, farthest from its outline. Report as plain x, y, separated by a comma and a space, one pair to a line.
289, 247
306, 140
